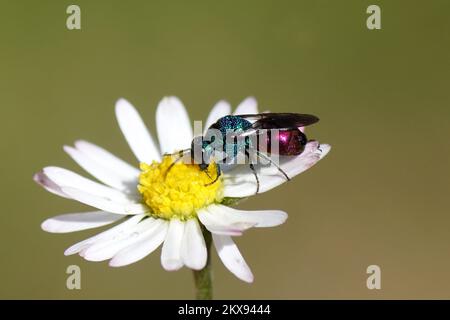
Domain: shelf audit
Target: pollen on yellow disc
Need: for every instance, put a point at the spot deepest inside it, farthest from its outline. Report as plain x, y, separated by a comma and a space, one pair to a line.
180, 191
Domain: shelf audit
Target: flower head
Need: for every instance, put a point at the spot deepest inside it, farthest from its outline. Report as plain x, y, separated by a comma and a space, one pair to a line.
163, 202
179, 193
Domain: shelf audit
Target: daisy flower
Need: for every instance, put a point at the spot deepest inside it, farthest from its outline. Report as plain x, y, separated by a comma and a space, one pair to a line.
150, 207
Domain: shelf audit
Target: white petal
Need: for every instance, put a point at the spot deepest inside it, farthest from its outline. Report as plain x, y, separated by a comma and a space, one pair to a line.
108, 234
135, 132
219, 224
66, 178
232, 258
107, 248
324, 149
297, 166
240, 182
79, 221
105, 204
239, 190
173, 125
171, 251
41, 179
248, 106
221, 109
121, 168
141, 249
258, 218
100, 171
193, 248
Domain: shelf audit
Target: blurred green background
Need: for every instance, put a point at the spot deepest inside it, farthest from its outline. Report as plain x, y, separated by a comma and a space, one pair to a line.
380, 197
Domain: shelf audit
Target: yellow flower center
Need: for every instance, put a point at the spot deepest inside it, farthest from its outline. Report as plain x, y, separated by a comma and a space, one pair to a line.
178, 191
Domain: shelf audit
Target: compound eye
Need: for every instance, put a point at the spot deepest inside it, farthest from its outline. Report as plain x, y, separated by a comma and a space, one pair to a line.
197, 142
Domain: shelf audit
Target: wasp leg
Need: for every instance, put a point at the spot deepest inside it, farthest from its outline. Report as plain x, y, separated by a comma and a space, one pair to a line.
256, 177
218, 173
261, 155
206, 172
252, 166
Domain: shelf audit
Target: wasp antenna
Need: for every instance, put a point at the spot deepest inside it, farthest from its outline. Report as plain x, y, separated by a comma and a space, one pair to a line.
179, 156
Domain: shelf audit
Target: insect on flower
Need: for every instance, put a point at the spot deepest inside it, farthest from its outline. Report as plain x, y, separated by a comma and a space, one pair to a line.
187, 209
232, 136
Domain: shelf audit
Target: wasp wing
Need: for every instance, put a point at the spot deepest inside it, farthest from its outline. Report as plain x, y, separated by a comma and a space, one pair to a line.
272, 120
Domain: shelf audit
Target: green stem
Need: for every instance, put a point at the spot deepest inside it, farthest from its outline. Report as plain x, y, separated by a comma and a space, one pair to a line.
202, 278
